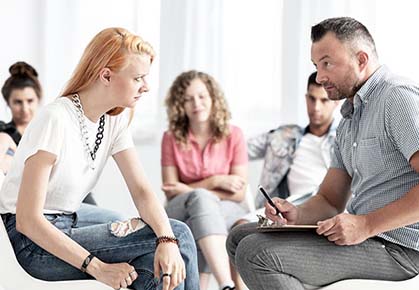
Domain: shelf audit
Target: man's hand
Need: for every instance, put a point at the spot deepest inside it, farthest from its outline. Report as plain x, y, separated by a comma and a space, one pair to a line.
175, 188
345, 229
287, 209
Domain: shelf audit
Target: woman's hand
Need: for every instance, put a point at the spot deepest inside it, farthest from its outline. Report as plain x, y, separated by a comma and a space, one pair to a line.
231, 183
168, 260
118, 275
175, 188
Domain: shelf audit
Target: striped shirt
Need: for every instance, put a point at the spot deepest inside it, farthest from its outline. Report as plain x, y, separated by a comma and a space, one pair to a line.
376, 138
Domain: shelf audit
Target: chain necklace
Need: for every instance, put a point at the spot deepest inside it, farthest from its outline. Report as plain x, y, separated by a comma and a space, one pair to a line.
90, 154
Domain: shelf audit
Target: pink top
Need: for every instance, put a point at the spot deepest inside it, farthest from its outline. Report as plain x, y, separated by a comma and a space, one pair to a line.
194, 164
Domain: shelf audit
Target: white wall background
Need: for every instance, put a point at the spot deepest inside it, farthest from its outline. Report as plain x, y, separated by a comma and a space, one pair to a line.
259, 51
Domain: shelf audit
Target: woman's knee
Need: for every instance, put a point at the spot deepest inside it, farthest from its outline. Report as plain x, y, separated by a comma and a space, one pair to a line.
182, 231
202, 201
202, 195
187, 244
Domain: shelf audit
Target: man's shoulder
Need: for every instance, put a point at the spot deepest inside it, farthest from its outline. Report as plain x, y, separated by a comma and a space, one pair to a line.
393, 86
285, 134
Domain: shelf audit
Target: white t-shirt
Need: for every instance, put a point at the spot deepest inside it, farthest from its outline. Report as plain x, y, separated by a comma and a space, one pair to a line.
56, 129
310, 165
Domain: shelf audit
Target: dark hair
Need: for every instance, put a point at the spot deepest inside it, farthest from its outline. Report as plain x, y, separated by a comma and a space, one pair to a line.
22, 75
346, 29
312, 80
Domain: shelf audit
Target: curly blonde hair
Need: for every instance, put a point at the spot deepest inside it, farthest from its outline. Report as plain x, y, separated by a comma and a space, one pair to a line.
175, 106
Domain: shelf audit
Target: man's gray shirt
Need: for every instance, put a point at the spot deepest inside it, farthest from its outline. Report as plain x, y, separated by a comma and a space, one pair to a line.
375, 140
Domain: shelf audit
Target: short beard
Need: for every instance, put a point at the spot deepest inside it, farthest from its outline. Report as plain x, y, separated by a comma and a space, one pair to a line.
351, 90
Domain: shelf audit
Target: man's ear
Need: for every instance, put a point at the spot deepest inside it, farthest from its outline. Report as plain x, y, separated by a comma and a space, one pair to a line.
363, 59
105, 76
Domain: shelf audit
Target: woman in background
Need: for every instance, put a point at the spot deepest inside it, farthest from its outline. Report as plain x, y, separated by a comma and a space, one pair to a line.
204, 169
59, 160
22, 93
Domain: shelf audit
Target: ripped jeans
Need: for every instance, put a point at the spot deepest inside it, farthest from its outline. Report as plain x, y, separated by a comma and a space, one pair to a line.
137, 249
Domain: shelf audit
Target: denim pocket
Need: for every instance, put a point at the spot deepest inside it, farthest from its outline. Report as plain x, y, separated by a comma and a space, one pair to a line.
52, 218
146, 280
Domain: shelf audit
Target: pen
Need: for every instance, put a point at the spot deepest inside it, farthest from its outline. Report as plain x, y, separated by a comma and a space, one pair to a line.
270, 201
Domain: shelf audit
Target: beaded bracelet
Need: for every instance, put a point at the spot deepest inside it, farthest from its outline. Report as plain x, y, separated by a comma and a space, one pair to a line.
166, 239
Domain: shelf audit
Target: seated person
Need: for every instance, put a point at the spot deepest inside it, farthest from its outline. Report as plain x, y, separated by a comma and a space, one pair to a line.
204, 169
296, 159
373, 174
56, 165
22, 93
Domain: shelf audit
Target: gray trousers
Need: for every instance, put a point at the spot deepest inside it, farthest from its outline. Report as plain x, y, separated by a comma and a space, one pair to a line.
206, 215
288, 260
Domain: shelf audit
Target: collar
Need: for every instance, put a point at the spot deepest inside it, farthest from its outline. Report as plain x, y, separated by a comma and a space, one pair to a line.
331, 130
192, 138
365, 92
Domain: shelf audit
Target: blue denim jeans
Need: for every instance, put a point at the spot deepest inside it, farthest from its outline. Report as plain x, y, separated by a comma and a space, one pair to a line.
137, 249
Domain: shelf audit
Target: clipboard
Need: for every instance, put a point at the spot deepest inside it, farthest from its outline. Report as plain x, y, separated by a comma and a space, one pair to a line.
265, 225
286, 228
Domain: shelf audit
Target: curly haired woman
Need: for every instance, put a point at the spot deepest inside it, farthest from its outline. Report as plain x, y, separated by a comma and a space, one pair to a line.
204, 169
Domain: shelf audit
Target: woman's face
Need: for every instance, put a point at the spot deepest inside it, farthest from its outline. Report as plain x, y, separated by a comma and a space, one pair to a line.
23, 103
129, 84
198, 102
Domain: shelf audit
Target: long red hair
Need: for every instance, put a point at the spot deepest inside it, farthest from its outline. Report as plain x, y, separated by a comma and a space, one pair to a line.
109, 48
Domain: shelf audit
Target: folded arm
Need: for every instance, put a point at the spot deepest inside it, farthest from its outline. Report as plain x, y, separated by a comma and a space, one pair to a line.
226, 187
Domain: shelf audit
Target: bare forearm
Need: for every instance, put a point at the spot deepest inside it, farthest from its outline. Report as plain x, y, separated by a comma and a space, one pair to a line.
315, 209
402, 212
227, 195
207, 183
48, 237
153, 213
212, 184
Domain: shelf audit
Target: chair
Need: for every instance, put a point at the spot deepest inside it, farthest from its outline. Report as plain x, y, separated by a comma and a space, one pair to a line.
14, 277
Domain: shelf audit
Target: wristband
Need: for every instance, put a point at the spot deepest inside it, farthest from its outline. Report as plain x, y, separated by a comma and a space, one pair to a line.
86, 263
167, 239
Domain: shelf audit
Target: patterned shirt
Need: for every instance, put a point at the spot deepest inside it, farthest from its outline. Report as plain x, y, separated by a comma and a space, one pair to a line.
374, 143
277, 147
